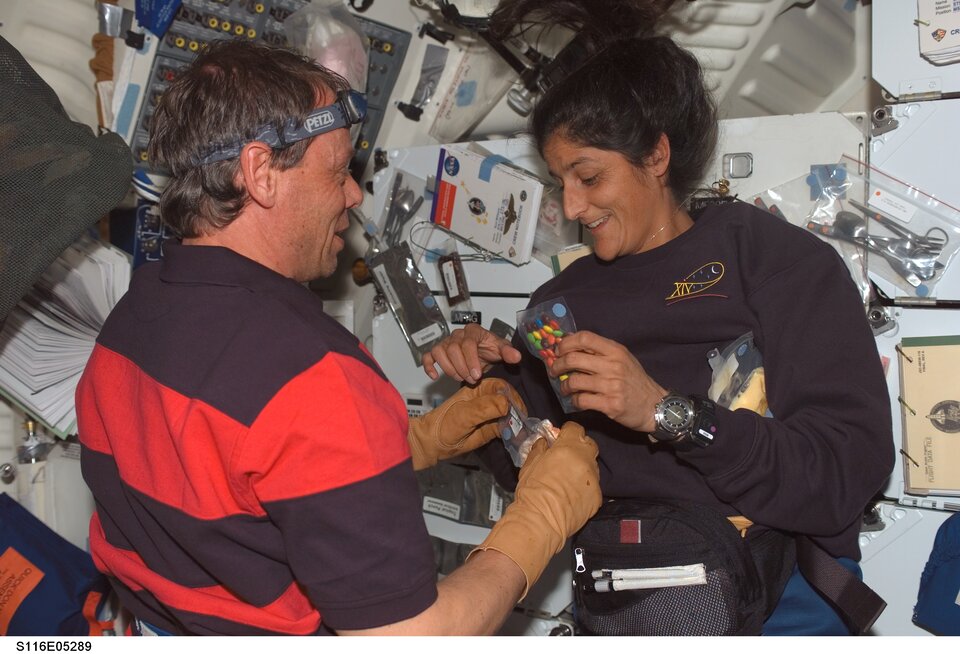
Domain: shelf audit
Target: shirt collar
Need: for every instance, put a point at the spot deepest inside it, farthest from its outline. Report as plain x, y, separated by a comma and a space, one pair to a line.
215, 265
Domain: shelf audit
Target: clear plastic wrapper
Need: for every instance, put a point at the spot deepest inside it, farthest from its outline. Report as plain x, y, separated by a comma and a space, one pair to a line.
879, 224
409, 298
468, 91
810, 201
738, 381
520, 431
462, 494
326, 31
404, 200
542, 328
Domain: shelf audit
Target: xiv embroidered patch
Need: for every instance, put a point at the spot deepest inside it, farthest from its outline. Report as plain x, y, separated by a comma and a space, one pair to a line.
696, 283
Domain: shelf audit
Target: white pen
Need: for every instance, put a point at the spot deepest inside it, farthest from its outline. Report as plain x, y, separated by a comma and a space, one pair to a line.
651, 573
610, 585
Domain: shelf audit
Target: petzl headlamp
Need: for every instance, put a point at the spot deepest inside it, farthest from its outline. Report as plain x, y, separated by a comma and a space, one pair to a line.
349, 109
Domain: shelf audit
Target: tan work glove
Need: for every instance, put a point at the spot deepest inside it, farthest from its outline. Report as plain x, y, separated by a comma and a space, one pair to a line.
559, 490
461, 424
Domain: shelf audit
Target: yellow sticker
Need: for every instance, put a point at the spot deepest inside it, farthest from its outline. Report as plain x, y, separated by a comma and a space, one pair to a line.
18, 577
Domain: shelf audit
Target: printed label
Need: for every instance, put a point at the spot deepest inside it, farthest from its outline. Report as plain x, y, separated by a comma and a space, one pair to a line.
465, 317
380, 273
441, 508
18, 578
496, 505
426, 335
450, 279
891, 205
516, 423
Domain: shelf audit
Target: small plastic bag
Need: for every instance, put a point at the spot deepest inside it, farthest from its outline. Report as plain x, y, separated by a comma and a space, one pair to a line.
325, 31
543, 327
409, 298
520, 431
738, 378
467, 91
811, 202
875, 222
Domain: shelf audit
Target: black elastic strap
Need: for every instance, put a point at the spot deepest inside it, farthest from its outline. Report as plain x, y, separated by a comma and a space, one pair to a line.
856, 602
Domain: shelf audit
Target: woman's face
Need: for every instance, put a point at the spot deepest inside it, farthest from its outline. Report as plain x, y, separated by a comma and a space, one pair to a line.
623, 207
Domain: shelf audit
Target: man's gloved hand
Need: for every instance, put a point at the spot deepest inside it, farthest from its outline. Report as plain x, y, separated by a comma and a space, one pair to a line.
559, 490
461, 424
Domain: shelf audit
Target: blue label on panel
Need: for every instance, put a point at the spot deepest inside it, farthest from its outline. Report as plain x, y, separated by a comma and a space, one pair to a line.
156, 15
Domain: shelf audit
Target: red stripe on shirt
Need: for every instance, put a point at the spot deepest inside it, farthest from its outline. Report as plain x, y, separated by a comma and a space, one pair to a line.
164, 442
291, 613
342, 409
167, 446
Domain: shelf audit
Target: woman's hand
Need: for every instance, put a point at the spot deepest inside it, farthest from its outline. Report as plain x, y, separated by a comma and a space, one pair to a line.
604, 376
468, 353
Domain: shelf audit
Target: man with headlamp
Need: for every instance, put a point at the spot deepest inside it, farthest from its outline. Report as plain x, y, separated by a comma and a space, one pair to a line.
250, 462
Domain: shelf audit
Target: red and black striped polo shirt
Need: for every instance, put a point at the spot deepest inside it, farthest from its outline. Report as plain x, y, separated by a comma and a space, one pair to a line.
248, 458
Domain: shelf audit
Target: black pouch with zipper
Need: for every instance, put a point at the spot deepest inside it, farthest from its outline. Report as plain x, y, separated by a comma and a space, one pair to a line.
675, 568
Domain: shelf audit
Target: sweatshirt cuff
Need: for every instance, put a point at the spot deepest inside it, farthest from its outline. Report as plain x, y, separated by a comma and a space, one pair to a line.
737, 433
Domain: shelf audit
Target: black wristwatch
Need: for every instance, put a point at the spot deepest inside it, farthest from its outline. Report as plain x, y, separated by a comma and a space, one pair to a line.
685, 421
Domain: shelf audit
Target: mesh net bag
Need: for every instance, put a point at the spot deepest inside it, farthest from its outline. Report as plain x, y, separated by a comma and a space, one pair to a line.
57, 178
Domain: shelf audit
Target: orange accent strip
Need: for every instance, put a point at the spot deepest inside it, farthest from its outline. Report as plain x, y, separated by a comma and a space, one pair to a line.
18, 578
90, 605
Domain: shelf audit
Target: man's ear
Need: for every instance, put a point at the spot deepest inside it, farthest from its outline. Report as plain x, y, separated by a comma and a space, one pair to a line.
256, 175
658, 163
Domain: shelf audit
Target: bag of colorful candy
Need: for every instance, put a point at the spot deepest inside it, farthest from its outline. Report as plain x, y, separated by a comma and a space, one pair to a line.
542, 328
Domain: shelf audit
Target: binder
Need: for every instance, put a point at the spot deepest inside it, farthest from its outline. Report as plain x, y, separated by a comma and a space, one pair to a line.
930, 411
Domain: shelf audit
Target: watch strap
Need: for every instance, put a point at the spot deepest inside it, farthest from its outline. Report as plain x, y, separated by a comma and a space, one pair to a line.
702, 432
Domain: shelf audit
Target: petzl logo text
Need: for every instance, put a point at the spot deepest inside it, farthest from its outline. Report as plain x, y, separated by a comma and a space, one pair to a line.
696, 283
319, 121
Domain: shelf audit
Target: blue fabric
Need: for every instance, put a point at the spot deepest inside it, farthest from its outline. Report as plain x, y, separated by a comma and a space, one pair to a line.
58, 575
937, 608
801, 611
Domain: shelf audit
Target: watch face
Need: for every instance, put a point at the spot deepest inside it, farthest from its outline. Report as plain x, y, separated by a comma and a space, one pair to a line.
674, 414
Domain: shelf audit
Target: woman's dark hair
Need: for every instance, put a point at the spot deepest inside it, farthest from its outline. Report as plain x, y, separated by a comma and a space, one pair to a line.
230, 90
634, 86
601, 21
627, 95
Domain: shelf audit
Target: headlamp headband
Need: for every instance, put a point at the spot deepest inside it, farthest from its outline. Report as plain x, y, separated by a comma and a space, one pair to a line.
350, 108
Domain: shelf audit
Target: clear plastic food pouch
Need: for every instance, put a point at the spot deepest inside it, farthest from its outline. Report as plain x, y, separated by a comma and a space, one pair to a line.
520, 431
738, 378
542, 328
413, 305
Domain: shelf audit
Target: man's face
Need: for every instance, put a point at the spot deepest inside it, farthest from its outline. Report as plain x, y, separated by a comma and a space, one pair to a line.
315, 195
